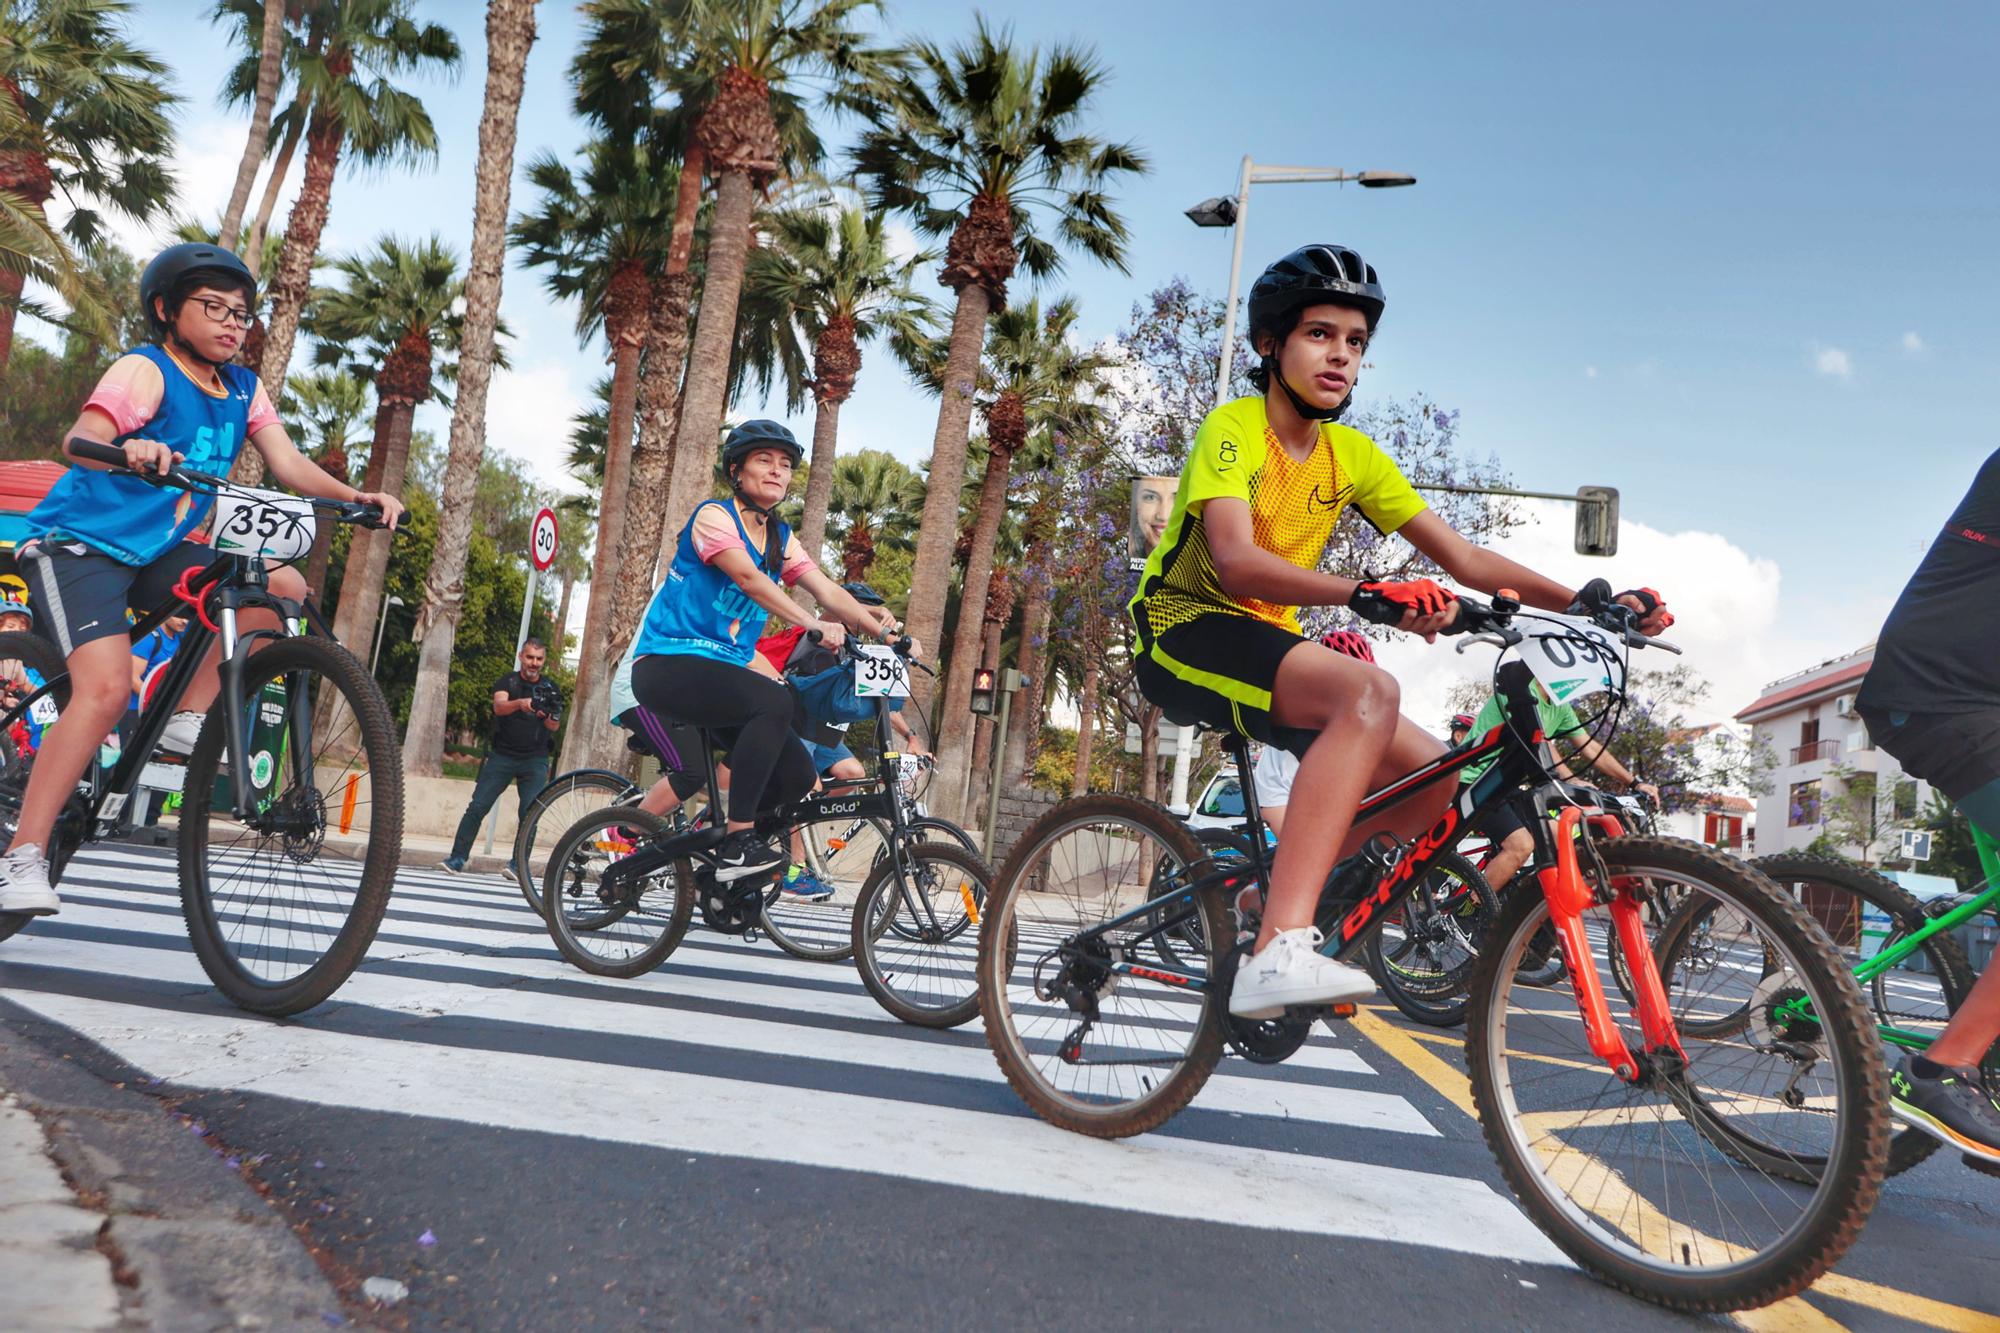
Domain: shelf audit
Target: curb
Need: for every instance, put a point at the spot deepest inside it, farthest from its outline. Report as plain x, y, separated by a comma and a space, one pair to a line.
185, 1241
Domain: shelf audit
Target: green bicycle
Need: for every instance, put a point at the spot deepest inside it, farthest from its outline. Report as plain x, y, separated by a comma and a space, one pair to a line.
1914, 978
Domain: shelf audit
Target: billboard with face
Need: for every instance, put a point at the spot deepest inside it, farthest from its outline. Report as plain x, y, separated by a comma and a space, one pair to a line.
1152, 504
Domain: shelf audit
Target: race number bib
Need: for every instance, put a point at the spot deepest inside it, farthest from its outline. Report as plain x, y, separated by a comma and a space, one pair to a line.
43, 711
270, 524
1573, 658
879, 673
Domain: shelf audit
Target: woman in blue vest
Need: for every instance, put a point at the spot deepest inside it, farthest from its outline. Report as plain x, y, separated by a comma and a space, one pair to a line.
105, 541
694, 650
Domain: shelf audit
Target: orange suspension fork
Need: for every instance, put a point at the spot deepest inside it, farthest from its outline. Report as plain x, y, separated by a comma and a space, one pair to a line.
1568, 896
1649, 992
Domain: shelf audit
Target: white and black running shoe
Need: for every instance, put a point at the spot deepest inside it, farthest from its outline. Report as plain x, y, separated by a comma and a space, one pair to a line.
743, 854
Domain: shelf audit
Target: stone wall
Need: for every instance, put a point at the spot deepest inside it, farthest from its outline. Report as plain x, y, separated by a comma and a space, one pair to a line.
1018, 809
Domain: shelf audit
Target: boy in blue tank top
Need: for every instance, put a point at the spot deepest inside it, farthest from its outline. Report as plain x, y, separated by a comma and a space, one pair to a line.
104, 541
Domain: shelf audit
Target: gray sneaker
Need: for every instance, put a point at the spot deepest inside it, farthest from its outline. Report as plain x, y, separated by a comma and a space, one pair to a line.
24, 882
183, 729
451, 865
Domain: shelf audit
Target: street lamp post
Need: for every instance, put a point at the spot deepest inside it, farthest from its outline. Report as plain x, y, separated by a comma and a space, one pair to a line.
375, 658
1230, 211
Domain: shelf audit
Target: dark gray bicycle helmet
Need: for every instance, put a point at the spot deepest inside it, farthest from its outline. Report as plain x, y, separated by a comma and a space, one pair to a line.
862, 593
1311, 275
179, 269
757, 434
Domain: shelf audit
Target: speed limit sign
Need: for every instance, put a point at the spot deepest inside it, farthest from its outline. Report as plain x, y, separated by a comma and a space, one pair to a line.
542, 539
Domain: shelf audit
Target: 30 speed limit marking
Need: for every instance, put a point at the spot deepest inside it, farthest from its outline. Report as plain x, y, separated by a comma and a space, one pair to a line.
542, 539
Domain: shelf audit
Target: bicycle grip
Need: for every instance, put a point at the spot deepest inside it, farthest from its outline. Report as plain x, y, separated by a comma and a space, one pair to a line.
94, 452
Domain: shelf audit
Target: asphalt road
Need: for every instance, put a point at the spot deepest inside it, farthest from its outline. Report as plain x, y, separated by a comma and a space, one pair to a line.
742, 1138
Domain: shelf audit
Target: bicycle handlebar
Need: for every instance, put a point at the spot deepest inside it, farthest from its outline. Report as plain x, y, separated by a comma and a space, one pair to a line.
187, 479
902, 647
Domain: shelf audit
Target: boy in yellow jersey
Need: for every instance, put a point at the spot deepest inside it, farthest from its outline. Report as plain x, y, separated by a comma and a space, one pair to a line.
1217, 607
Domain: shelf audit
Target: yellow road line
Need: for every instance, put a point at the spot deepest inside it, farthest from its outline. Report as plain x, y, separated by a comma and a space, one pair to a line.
1793, 1313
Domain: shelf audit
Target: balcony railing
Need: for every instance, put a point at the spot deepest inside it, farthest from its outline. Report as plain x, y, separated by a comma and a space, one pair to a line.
1805, 754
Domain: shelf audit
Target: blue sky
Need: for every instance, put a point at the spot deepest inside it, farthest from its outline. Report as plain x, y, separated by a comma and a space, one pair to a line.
1734, 260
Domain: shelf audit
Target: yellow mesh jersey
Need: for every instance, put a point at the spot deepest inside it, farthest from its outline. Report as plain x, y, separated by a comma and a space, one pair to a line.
1294, 507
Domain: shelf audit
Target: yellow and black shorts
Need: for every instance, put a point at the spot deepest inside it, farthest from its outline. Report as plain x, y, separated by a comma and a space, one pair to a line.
1217, 669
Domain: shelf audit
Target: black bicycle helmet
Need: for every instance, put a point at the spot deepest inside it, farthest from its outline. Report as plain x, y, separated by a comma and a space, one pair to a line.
179, 269
1311, 275
862, 593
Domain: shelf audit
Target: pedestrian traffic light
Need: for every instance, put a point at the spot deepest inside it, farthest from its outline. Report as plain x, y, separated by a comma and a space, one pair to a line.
982, 691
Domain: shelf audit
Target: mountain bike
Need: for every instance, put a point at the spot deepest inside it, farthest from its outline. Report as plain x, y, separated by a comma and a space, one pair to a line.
291, 813
839, 854
1617, 1131
622, 886
1914, 973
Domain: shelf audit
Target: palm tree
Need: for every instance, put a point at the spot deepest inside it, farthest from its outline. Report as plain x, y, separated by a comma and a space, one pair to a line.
353, 49
751, 49
872, 506
600, 238
1033, 381
326, 404
270, 16
510, 32
831, 273
83, 112
397, 307
983, 142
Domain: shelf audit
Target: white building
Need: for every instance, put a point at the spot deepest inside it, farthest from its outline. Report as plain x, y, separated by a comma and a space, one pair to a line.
1725, 819
1808, 721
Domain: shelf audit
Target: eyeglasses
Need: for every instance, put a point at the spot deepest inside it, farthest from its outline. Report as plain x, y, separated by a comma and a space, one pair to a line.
221, 312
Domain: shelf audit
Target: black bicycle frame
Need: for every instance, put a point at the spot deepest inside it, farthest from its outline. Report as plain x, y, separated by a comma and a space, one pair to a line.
243, 584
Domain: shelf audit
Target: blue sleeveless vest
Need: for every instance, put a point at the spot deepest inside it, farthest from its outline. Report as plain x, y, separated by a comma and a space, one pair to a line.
699, 611
123, 516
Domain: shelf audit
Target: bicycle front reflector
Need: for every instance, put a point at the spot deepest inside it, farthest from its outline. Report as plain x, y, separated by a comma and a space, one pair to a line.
965, 896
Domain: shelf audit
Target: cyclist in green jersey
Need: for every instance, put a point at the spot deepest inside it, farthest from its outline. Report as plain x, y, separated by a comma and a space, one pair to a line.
1216, 612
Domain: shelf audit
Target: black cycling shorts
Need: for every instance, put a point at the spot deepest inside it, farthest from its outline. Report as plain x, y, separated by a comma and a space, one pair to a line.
1218, 669
1499, 822
1958, 753
677, 747
81, 594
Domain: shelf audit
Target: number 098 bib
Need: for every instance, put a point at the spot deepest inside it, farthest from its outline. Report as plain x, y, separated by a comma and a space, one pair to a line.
270, 524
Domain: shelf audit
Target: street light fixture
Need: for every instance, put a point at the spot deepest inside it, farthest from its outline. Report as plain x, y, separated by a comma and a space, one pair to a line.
1217, 212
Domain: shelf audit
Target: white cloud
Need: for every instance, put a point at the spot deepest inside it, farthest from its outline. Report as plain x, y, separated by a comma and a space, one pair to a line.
1913, 344
1833, 363
1590, 372
529, 413
1725, 602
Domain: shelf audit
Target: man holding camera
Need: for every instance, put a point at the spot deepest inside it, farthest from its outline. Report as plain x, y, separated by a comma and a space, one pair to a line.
527, 709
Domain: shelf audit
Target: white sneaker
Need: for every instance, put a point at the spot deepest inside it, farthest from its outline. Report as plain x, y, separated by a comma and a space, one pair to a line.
182, 730
24, 882
1290, 971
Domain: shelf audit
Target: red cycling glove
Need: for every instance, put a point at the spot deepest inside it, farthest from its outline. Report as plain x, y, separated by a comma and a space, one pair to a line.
1650, 601
1388, 603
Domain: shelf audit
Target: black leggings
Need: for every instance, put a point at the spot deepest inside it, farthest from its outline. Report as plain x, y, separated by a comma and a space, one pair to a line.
748, 713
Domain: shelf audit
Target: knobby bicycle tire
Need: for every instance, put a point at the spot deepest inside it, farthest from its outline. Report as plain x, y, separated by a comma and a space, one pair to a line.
527, 875
1436, 997
37, 654
1169, 1095
298, 662
1908, 1145
887, 958
1843, 1196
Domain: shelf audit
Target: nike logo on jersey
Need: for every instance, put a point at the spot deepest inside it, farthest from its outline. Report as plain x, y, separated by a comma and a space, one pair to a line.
1326, 505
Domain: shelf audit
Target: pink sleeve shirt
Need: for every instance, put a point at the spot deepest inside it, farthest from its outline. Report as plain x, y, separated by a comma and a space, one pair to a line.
131, 390
714, 532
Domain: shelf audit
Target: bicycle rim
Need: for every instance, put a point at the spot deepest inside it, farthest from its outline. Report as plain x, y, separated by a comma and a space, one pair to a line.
923, 969
1424, 953
282, 906
1649, 1184
1100, 1054
558, 806
618, 928
836, 855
